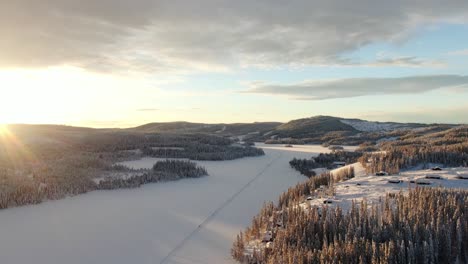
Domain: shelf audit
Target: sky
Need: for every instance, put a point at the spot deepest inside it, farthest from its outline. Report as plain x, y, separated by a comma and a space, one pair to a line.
118, 63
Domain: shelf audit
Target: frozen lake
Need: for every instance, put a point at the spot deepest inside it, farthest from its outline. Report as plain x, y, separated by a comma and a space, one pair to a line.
186, 221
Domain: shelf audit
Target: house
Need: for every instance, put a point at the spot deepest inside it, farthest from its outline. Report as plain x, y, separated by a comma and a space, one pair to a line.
462, 176
279, 221
338, 164
423, 182
267, 236
436, 168
433, 176
381, 173
288, 146
396, 181
310, 198
334, 148
327, 201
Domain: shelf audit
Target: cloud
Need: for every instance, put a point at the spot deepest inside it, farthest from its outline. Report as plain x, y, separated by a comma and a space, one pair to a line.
205, 35
354, 87
459, 52
453, 115
409, 61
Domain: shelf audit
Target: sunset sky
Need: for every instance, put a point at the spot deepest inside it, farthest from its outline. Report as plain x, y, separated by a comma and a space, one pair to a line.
120, 63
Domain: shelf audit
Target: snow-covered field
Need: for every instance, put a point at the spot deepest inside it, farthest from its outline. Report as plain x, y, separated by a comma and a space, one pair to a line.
186, 221
371, 187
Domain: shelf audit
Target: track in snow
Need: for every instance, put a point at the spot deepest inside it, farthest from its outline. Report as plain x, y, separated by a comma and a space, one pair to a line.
216, 211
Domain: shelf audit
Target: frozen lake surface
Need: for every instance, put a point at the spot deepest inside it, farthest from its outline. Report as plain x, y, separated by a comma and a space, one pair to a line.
186, 221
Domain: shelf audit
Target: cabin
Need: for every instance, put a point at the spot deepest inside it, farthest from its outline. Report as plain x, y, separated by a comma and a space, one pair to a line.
338, 164
436, 168
433, 176
267, 236
334, 148
396, 181
279, 222
423, 182
381, 173
319, 211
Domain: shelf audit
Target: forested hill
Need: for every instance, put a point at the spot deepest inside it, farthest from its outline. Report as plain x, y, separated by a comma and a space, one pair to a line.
316, 129
235, 129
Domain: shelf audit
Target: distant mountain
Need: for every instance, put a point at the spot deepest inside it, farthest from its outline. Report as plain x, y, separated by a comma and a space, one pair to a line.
236, 129
313, 126
316, 129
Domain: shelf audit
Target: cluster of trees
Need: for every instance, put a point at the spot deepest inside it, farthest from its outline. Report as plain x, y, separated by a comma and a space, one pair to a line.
438, 144
197, 151
323, 160
49, 181
40, 163
428, 225
395, 159
75, 175
168, 170
287, 141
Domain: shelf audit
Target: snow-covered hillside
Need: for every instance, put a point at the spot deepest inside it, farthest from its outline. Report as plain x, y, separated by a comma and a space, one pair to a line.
369, 126
371, 187
186, 221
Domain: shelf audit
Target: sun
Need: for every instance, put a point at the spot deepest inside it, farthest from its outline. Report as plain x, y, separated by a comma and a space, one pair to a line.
4, 131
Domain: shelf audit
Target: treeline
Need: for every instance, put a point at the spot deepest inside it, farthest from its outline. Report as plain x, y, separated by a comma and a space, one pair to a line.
67, 176
204, 152
190, 146
168, 170
287, 141
427, 225
323, 160
117, 141
71, 176
40, 163
395, 159
421, 147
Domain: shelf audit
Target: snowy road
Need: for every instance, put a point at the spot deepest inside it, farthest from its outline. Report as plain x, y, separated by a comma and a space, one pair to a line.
187, 221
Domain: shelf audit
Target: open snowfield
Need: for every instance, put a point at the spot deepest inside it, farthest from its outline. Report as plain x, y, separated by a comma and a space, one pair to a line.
186, 221
371, 187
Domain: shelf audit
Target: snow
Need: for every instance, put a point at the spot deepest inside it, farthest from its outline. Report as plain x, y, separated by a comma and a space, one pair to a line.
302, 148
369, 126
185, 221
373, 187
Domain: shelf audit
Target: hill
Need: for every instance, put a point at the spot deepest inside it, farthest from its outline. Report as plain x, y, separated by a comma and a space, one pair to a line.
236, 129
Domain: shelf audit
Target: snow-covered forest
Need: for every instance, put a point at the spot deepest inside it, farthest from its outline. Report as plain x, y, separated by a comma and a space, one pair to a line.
423, 226
323, 160
55, 162
167, 170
